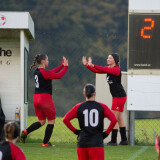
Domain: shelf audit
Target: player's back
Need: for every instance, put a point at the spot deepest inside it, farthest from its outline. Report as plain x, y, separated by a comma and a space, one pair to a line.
41, 84
90, 115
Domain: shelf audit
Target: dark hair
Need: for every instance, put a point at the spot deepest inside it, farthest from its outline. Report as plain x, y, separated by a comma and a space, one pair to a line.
89, 90
11, 130
116, 58
37, 59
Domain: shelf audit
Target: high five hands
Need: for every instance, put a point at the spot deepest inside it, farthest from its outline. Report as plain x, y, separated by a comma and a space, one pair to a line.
65, 61
89, 62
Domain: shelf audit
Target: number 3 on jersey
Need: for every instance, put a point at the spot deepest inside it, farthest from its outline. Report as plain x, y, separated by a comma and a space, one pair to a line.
91, 118
36, 81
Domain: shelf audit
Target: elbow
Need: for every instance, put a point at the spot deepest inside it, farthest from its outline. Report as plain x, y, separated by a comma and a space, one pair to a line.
64, 120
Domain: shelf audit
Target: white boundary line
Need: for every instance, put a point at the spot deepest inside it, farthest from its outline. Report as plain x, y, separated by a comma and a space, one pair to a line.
138, 153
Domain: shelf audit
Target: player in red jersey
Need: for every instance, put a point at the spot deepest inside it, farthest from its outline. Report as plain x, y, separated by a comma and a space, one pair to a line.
43, 102
157, 145
8, 150
117, 91
90, 115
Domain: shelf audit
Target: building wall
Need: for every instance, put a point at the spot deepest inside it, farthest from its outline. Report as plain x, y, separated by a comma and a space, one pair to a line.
10, 74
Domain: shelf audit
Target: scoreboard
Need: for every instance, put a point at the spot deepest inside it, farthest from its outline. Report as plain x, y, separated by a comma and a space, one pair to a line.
144, 41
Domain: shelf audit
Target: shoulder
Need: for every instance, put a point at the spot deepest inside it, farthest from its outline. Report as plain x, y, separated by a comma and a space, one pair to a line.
16, 152
44, 70
103, 105
117, 67
79, 104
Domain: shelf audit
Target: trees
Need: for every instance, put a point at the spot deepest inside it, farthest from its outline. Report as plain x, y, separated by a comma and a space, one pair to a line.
73, 29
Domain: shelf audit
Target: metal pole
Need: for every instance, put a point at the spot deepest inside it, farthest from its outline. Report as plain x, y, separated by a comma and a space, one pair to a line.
132, 127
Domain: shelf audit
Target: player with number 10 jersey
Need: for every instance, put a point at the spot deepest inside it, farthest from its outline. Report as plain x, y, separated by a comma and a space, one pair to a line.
90, 115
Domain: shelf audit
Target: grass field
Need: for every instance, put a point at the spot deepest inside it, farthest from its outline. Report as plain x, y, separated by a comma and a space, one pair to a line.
145, 131
60, 134
60, 151
65, 143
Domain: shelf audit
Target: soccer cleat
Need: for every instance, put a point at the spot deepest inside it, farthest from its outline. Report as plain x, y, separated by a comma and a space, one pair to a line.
47, 145
123, 143
111, 143
23, 136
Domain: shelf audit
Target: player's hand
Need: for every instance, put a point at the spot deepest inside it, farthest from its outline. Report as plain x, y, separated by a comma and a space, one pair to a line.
90, 62
77, 132
84, 61
63, 59
104, 135
65, 62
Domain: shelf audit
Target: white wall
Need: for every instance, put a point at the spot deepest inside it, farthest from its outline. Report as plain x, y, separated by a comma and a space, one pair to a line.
143, 92
144, 4
10, 77
103, 95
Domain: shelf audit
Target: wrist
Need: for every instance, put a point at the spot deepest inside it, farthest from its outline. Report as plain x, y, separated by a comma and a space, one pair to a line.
77, 132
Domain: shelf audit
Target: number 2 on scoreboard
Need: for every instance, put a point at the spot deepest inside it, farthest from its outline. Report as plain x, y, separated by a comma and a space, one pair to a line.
147, 28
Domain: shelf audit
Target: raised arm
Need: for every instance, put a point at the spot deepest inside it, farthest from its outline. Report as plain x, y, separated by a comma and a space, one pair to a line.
114, 70
55, 70
61, 66
50, 74
86, 63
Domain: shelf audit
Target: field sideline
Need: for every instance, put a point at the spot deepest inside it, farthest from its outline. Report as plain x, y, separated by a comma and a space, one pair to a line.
144, 131
60, 151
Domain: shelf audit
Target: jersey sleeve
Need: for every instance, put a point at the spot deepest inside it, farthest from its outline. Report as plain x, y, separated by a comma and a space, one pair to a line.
16, 153
110, 115
95, 70
58, 68
50, 74
69, 116
114, 70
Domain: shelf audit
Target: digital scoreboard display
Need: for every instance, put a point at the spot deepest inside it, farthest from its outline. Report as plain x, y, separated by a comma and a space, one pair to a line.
144, 41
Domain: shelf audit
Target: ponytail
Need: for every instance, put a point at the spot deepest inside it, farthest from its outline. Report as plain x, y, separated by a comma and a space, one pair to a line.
37, 59
34, 62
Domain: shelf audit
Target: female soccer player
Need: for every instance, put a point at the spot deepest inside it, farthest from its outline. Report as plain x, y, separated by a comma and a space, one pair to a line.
157, 144
8, 150
117, 91
90, 115
43, 103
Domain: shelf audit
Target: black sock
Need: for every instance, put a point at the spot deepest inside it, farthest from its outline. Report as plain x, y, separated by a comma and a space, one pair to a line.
114, 136
48, 133
33, 127
123, 133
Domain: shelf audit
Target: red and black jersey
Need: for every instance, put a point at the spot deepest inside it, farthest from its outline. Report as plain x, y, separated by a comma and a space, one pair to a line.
113, 78
9, 151
91, 116
43, 78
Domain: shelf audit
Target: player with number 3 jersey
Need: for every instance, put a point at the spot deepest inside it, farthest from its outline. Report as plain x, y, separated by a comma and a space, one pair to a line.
43, 102
90, 115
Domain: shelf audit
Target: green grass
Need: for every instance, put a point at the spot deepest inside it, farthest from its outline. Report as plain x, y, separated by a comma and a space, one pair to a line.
60, 133
145, 131
60, 151
65, 142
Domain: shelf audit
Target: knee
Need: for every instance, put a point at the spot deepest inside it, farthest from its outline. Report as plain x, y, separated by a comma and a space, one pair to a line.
42, 122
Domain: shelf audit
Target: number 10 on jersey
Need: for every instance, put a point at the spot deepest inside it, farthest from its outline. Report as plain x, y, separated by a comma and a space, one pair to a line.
91, 117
